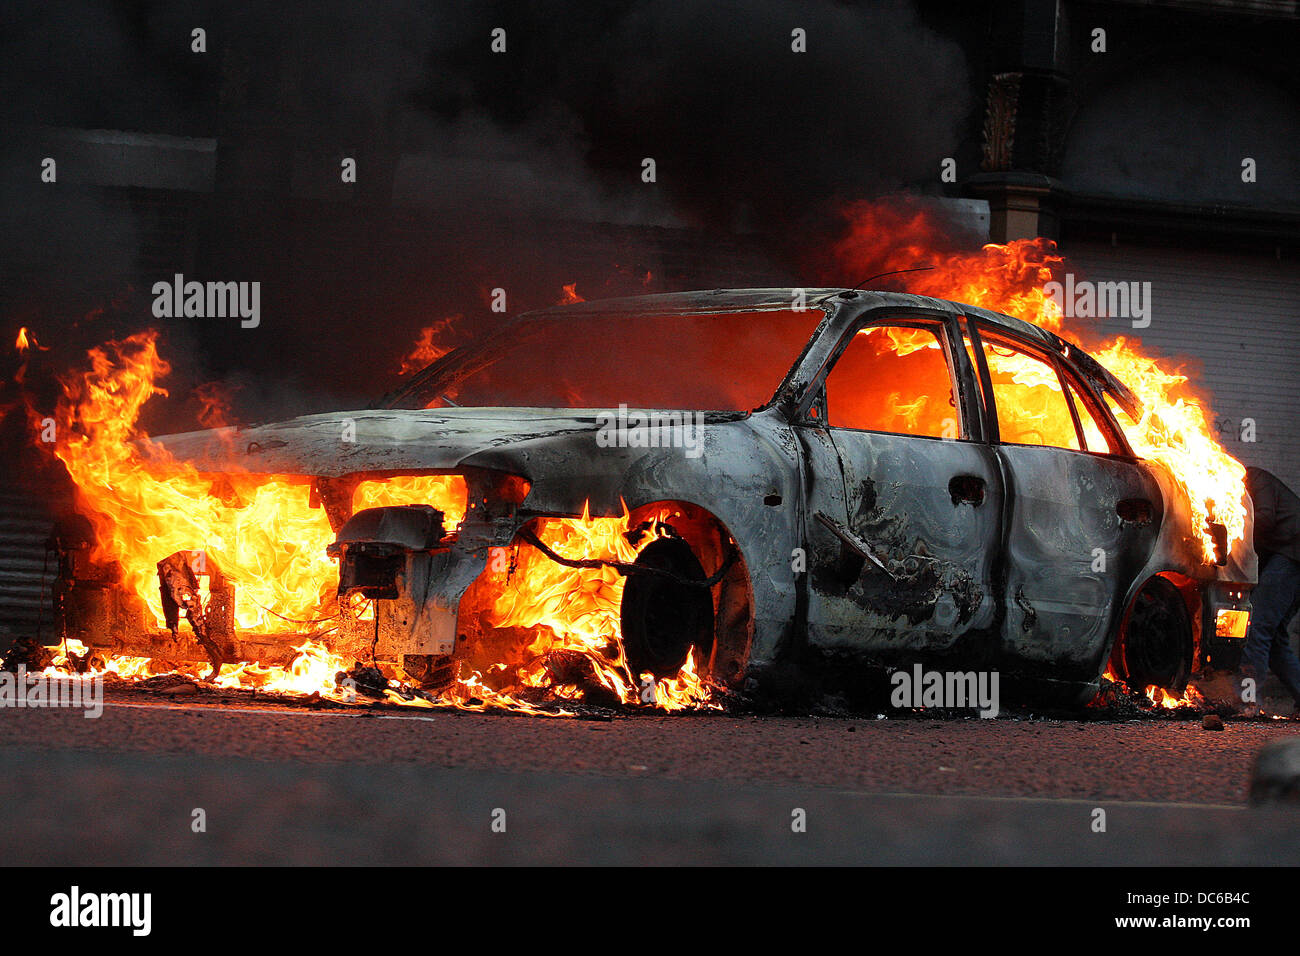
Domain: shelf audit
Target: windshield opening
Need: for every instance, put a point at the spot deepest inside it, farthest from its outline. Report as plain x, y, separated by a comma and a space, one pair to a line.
731, 361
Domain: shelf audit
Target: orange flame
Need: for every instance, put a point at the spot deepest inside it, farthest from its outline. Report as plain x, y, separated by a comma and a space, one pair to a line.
428, 347
261, 531
1158, 697
270, 542
572, 612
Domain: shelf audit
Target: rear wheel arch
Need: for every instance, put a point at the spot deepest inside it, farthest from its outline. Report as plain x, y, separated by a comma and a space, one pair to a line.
1156, 640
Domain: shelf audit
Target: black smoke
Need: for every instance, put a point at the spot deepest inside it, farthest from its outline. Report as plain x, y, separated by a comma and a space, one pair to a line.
477, 169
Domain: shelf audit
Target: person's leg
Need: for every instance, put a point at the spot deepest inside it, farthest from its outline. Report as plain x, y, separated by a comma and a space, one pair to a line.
1271, 604
1281, 659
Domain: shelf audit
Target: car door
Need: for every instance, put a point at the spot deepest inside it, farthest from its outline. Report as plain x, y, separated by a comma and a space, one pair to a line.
904, 496
1081, 514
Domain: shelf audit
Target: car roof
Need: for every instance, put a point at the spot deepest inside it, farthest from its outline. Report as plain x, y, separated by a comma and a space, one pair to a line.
705, 300
758, 300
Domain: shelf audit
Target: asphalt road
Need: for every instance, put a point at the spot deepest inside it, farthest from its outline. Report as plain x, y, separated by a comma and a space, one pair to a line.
303, 786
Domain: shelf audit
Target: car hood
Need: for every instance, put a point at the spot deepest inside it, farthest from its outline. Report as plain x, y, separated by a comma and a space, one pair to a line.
340, 443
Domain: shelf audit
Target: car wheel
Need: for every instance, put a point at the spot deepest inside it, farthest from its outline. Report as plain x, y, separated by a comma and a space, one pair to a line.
1156, 646
662, 618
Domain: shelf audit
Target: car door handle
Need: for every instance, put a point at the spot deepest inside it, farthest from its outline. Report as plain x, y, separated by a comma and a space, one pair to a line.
967, 488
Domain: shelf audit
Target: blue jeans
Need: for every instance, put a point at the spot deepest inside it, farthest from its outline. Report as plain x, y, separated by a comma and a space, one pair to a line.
1275, 601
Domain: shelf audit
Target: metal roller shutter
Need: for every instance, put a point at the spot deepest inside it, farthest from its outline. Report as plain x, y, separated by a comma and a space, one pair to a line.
26, 571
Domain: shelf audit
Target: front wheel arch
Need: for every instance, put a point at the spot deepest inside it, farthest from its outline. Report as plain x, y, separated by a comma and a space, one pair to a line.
732, 597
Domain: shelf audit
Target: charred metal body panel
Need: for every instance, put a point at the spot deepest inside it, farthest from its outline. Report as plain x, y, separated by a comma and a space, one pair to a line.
958, 549
1070, 555
398, 558
937, 582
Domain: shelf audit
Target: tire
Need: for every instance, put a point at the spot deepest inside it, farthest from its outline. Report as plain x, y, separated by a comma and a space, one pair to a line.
1156, 646
663, 619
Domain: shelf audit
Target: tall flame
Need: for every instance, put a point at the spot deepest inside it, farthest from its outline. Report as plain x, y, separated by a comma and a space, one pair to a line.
267, 538
261, 531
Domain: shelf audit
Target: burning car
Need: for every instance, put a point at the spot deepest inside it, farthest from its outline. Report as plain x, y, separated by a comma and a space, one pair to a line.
638, 498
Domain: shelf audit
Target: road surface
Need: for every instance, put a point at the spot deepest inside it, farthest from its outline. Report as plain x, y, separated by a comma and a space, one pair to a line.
297, 785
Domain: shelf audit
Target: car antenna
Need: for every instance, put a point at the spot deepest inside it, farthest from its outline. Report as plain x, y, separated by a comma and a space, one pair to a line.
881, 275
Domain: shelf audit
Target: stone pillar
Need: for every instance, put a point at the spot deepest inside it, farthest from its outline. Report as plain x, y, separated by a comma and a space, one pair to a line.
1016, 204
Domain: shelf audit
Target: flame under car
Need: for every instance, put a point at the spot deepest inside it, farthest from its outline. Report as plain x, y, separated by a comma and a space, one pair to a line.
800, 480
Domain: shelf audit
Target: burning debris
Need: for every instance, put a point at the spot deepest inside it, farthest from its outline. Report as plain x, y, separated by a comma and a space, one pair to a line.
33, 655
1117, 699
178, 584
250, 567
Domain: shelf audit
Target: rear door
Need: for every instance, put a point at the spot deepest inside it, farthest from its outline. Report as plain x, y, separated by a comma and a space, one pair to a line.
1081, 516
905, 500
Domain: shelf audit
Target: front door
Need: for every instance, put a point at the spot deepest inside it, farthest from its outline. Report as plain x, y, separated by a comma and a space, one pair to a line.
904, 500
